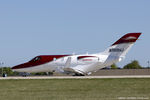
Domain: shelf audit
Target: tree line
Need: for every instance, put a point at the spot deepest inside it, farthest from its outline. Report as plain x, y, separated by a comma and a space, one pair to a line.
133, 65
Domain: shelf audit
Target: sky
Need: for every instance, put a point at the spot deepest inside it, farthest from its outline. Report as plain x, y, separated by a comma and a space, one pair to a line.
47, 27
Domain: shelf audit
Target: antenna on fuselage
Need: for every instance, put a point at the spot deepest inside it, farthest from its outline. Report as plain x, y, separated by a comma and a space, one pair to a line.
87, 53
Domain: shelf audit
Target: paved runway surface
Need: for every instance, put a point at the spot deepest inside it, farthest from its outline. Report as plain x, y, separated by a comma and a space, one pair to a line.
76, 77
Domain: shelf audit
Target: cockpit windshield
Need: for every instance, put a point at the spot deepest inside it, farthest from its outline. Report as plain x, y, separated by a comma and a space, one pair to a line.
36, 59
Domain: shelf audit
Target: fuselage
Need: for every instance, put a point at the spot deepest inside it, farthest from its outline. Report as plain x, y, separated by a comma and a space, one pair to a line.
56, 63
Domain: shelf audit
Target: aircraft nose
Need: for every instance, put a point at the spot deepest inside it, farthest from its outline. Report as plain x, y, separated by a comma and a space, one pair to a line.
15, 67
21, 67
25, 65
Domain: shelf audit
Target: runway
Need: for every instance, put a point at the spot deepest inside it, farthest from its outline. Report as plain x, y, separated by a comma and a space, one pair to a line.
76, 77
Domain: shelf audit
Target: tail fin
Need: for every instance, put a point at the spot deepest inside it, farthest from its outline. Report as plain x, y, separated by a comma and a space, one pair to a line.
122, 46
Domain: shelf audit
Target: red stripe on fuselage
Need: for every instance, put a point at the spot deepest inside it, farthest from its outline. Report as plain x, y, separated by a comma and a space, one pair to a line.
81, 57
39, 60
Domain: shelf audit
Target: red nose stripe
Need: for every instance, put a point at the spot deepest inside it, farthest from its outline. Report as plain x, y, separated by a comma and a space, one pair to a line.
41, 60
130, 37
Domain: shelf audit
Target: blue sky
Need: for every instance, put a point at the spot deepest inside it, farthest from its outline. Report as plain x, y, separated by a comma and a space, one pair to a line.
43, 27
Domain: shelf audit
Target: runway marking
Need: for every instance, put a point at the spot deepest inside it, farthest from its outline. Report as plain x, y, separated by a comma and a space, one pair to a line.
76, 77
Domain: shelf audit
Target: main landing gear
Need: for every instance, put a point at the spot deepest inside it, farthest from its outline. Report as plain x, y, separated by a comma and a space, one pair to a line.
77, 74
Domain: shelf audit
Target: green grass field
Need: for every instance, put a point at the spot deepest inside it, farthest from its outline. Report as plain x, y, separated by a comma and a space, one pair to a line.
74, 89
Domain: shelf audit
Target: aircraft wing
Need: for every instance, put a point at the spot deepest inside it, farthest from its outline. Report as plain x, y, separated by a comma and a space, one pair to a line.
69, 69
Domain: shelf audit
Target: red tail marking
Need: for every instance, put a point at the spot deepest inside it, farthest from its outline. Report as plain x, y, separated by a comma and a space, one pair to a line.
130, 37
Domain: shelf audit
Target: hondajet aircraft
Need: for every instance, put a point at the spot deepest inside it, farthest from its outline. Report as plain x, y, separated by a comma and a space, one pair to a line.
83, 64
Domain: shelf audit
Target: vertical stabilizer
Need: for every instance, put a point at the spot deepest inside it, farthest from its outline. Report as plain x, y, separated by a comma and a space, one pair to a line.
120, 48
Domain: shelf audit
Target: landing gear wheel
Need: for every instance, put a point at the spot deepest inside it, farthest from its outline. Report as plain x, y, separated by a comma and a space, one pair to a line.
77, 74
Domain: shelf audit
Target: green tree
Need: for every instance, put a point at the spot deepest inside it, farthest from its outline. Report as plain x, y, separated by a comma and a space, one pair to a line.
8, 71
114, 66
133, 65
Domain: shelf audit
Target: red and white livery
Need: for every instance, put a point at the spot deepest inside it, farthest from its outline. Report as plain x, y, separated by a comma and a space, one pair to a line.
83, 64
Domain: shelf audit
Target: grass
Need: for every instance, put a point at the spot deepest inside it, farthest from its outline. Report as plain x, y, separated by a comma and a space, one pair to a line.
74, 89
